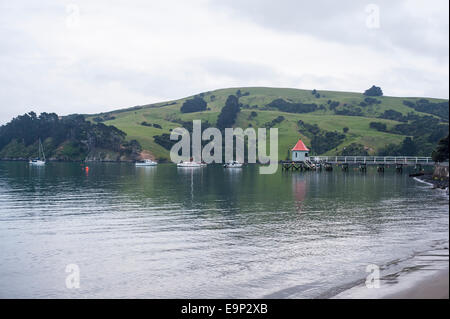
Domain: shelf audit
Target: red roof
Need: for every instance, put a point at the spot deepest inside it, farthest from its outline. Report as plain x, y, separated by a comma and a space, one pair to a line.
300, 146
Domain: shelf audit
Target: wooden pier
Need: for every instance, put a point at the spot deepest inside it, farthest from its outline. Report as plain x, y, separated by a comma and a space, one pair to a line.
345, 162
374, 160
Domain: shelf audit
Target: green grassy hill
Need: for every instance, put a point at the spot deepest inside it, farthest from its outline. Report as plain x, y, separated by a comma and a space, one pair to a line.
256, 99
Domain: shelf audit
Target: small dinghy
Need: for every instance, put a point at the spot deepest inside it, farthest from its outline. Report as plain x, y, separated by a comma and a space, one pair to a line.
233, 164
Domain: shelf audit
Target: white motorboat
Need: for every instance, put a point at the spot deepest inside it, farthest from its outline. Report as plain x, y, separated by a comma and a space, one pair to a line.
233, 164
191, 164
147, 162
40, 161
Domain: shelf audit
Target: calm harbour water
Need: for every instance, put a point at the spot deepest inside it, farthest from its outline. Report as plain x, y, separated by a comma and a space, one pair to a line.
164, 232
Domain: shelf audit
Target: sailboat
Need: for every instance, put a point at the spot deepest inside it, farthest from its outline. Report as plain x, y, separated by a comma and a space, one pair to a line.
40, 161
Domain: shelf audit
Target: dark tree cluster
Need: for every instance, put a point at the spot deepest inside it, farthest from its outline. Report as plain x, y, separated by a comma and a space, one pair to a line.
196, 104
425, 106
354, 149
315, 93
228, 115
349, 111
426, 132
425, 126
393, 115
240, 94
289, 107
274, 122
369, 101
321, 140
104, 118
333, 104
165, 141
151, 125
440, 154
407, 148
382, 127
72, 131
326, 141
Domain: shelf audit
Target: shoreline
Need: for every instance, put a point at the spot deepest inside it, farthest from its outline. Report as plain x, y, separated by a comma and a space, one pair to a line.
434, 286
65, 161
406, 284
424, 275
433, 182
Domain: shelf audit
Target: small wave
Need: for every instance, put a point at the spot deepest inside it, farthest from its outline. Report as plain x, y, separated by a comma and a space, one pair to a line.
421, 181
398, 274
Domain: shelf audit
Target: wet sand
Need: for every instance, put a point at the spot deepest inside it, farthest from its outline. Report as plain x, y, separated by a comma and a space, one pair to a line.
434, 286
424, 276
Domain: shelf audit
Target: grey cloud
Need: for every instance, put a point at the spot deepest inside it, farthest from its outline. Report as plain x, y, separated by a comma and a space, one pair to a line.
244, 71
34, 75
344, 21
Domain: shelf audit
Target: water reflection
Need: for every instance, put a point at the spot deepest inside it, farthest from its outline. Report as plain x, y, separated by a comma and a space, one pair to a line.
209, 232
299, 190
146, 171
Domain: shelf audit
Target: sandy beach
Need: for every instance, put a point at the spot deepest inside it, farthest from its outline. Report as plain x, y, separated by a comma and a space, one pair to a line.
423, 276
434, 286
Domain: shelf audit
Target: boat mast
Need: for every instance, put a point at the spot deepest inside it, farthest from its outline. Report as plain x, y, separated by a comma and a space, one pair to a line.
41, 150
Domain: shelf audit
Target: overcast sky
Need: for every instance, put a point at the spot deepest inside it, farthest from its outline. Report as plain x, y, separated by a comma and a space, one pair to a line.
93, 56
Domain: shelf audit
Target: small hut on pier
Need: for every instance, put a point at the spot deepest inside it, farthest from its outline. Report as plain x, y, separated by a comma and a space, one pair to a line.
300, 152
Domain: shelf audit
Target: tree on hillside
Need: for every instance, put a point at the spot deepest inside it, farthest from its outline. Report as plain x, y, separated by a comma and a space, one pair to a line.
229, 113
408, 147
374, 91
440, 154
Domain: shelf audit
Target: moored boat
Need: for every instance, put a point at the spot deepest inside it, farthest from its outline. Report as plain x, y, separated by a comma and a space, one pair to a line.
37, 162
40, 161
191, 164
233, 164
146, 162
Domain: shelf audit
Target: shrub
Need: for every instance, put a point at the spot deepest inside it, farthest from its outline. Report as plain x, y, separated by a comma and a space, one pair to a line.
393, 115
378, 126
274, 122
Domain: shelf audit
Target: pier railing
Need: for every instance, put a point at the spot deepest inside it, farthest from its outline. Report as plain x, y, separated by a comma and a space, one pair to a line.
373, 159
